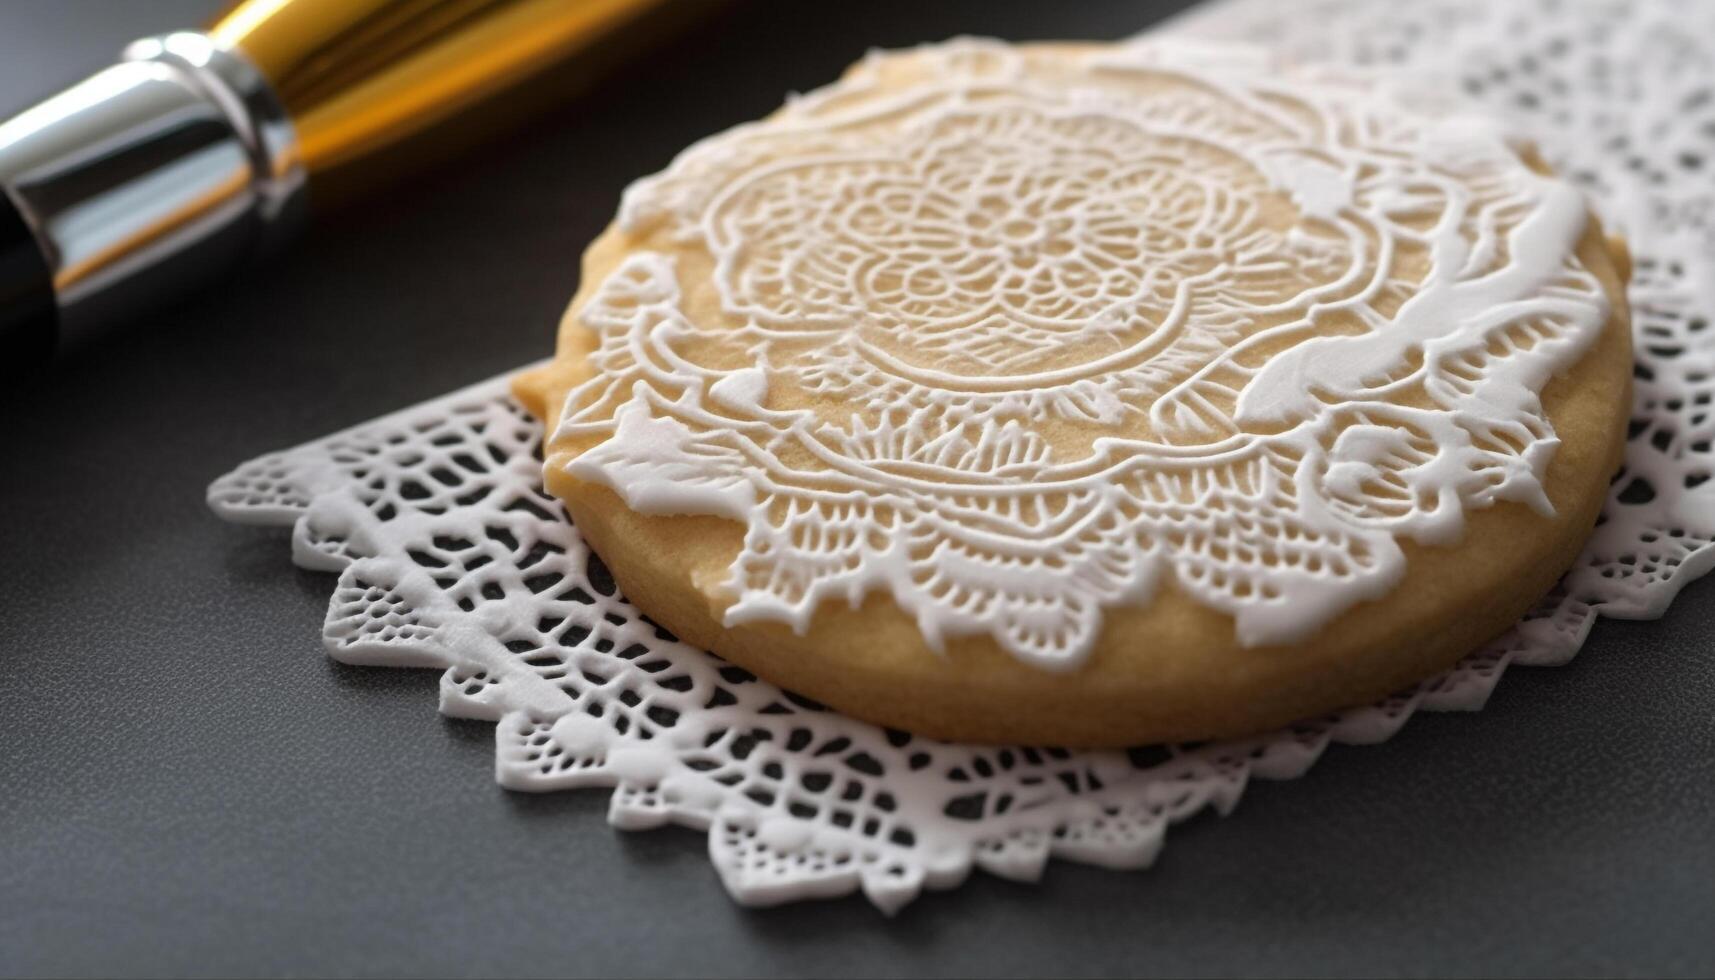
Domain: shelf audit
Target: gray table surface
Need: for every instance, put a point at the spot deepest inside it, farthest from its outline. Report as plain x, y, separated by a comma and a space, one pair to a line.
188, 785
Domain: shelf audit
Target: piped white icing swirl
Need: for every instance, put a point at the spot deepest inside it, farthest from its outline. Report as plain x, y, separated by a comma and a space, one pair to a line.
1010, 336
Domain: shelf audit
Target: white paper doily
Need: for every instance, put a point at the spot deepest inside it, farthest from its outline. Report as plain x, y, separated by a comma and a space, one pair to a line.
450, 555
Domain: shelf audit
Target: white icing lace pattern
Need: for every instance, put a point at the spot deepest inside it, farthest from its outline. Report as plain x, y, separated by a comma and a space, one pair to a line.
1295, 322
450, 556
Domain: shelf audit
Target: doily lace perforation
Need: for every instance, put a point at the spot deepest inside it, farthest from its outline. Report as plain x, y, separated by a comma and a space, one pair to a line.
450, 556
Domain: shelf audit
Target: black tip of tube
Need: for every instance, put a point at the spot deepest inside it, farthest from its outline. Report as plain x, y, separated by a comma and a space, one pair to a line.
27, 315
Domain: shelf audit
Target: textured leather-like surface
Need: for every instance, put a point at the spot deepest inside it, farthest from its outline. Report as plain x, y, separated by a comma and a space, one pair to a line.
188, 785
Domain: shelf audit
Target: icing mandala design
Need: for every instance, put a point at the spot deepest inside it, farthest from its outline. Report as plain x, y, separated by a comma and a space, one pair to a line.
1015, 338
450, 556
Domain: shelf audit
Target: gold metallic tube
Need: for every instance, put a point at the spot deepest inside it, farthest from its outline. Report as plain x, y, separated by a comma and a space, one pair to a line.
356, 76
196, 149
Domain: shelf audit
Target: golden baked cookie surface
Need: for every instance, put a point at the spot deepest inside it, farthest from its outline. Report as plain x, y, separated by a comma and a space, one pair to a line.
1090, 395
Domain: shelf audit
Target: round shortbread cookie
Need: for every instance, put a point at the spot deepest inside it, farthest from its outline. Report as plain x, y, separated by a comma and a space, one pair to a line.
1090, 395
